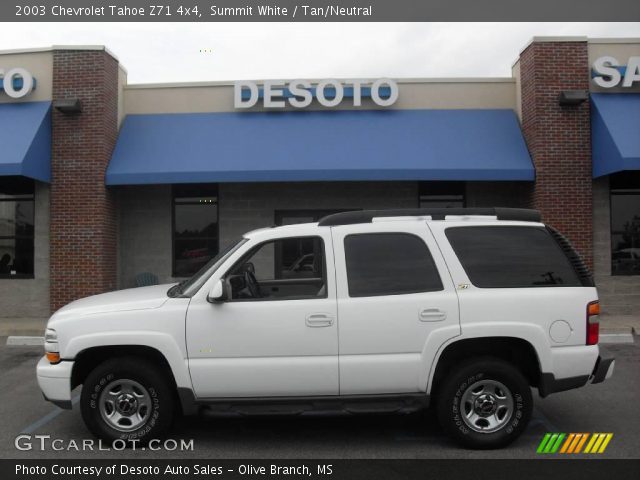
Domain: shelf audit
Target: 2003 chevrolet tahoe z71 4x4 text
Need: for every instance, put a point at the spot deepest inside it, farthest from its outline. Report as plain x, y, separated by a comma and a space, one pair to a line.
467, 308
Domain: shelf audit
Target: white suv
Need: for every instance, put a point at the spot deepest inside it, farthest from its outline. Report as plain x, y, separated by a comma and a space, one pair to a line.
463, 308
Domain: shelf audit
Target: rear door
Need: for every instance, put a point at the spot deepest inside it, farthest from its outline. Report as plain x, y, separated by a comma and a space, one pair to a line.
396, 303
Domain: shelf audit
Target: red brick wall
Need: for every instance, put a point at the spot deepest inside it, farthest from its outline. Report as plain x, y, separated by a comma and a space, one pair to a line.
559, 138
83, 221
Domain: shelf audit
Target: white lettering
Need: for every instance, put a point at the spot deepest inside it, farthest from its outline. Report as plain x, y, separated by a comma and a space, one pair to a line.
7, 82
322, 98
301, 92
608, 74
393, 92
329, 93
253, 98
633, 72
273, 89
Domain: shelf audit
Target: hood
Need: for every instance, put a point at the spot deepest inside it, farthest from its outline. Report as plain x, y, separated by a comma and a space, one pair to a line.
141, 298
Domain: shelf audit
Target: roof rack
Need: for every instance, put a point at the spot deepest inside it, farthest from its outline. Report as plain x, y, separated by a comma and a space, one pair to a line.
367, 216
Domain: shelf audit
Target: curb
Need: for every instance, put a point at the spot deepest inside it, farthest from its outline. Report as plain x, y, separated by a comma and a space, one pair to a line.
23, 340
609, 338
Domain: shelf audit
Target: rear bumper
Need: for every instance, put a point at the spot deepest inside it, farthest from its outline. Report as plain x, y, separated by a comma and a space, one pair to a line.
55, 382
602, 370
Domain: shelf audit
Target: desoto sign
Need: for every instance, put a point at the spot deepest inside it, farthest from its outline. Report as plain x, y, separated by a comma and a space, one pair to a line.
329, 93
16, 82
608, 72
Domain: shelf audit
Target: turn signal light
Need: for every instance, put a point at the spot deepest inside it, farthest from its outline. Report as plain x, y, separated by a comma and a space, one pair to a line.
593, 323
53, 357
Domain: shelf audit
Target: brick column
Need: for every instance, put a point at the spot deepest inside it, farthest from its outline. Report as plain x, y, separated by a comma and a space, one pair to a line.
83, 222
559, 137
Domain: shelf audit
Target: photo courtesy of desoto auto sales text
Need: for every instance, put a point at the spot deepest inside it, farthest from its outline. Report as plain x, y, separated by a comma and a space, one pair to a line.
294, 239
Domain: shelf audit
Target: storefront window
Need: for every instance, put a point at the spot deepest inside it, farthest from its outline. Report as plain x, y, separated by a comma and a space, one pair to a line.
625, 223
16, 227
195, 227
442, 194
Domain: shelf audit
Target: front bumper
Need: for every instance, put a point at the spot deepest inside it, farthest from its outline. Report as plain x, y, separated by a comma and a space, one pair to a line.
55, 382
603, 370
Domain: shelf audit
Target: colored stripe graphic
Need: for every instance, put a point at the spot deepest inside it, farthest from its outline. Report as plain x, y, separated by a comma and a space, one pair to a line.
543, 443
550, 443
599, 443
573, 443
567, 442
582, 441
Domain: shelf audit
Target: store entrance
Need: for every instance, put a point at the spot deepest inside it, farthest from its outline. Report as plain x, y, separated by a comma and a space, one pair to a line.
299, 257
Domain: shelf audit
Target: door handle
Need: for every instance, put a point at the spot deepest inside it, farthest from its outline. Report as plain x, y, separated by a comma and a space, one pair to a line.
319, 320
432, 315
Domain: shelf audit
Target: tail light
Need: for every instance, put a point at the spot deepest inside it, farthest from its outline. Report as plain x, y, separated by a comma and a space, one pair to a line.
593, 323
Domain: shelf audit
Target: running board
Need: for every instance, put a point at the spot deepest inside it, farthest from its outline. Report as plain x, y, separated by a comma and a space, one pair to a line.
352, 404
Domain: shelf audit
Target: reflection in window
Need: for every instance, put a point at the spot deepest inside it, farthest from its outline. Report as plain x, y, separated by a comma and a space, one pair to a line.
511, 257
195, 227
625, 223
274, 271
16, 227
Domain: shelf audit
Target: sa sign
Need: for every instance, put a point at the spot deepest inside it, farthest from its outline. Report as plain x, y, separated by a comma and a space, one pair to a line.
609, 72
16, 82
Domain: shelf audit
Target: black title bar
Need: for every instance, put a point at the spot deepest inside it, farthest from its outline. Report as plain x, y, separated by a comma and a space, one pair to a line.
213, 469
317, 10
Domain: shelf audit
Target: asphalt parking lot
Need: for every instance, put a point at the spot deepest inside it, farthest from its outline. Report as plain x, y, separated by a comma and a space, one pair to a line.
608, 407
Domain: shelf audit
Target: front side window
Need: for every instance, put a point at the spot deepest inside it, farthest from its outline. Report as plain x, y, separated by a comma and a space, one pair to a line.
195, 227
284, 269
389, 264
16, 227
511, 257
625, 223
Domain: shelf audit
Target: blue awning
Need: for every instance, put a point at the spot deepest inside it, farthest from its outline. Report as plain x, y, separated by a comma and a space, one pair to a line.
25, 140
615, 132
320, 146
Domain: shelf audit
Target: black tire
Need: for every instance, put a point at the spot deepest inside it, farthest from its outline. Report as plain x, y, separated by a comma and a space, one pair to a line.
494, 371
158, 415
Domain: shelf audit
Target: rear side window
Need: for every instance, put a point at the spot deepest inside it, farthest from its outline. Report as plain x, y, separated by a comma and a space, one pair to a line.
510, 257
389, 264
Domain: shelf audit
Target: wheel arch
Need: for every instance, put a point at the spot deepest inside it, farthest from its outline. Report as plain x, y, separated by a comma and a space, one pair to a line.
517, 351
88, 359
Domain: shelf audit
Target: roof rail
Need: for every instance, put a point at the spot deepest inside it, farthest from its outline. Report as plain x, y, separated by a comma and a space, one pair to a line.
367, 216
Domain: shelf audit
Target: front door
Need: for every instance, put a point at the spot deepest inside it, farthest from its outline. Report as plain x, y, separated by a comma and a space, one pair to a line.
278, 333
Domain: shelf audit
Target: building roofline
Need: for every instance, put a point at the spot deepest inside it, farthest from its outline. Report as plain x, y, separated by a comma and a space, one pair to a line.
593, 40
230, 83
58, 47
613, 40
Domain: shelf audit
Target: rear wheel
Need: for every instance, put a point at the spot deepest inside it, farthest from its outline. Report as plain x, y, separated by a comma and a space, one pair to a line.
484, 403
127, 398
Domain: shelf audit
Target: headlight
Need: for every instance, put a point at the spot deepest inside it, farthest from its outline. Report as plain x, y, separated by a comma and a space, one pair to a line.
50, 336
51, 348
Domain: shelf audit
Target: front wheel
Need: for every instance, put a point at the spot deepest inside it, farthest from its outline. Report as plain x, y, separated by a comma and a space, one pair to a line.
127, 399
484, 403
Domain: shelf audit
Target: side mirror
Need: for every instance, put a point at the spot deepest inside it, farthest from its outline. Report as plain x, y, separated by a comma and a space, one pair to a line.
217, 293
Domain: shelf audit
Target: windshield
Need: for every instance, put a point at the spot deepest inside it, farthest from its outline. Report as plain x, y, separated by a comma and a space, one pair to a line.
188, 287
